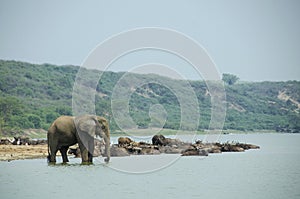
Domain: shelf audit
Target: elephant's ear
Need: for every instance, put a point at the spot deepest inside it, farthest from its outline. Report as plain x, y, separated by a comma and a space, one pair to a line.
85, 124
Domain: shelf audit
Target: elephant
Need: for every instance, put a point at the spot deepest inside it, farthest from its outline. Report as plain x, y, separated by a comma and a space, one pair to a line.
66, 131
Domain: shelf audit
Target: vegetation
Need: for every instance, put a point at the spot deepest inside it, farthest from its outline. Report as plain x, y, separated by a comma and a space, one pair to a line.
32, 96
229, 79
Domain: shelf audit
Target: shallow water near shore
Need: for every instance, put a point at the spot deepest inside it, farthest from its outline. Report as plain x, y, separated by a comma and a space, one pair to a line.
270, 172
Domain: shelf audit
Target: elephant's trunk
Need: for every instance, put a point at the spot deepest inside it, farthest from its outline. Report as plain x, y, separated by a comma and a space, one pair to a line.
107, 146
105, 134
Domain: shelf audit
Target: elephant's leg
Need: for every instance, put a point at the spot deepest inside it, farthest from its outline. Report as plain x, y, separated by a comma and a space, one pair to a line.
84, 152
53, 147
53, 151
84, 155
63, 150
91, 145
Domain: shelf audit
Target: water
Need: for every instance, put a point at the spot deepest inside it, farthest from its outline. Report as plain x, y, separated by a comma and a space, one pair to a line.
271, 172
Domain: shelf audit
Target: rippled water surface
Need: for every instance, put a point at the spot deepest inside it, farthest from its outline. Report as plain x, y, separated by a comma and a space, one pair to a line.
271, 172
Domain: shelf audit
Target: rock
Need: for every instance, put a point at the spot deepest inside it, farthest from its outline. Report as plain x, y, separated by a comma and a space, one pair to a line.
174, 142
237, 149
247, 146
203, 152
170, 150
135, 144
116, 151
134, 150
190, 153
150, 151
215, 151
195, 152
99, 147
231, 148
42, 141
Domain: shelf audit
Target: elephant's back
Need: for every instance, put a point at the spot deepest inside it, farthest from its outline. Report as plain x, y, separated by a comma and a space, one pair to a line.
63, 129
64, 122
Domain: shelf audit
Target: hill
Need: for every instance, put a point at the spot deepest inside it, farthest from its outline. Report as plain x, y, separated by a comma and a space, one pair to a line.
32, 96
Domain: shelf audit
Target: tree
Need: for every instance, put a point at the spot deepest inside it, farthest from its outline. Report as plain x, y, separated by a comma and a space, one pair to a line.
229, 78
20, 121
9, 106
64, 110
35, 120
51, 116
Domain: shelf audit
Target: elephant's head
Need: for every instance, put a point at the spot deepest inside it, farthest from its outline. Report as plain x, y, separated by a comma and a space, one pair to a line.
94, 126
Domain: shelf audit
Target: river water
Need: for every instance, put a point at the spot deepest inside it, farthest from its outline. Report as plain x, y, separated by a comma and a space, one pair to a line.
270, 172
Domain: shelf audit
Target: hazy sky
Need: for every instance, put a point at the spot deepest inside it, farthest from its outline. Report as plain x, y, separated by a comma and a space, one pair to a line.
255, 39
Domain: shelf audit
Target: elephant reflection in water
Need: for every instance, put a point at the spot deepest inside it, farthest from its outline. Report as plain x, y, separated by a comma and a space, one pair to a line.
66, 131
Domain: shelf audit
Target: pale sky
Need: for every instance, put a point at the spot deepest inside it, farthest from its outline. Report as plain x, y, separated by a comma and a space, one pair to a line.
257, 40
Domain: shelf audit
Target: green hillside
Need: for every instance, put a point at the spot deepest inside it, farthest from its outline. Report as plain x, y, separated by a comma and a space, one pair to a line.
32, 96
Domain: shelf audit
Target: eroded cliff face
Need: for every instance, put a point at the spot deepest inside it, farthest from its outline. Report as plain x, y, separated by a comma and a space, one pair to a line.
284, 96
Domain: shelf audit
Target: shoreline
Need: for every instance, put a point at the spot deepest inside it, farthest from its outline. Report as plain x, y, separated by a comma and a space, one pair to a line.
20, 152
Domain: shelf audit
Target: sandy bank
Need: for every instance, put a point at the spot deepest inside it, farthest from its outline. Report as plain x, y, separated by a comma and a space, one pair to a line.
16, 152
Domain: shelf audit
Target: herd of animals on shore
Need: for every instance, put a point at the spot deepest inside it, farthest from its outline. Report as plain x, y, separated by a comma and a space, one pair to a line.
76, 135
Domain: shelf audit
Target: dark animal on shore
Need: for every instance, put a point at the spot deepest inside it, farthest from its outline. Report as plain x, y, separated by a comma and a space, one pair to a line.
159, 140
124, 141
6, 141
66, 131
163, 141
21, 140
75, 152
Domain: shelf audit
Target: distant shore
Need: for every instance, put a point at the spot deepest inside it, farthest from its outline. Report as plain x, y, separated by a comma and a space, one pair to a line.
169, 132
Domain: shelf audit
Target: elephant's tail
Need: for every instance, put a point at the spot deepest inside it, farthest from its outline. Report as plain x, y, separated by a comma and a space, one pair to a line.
49, 154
